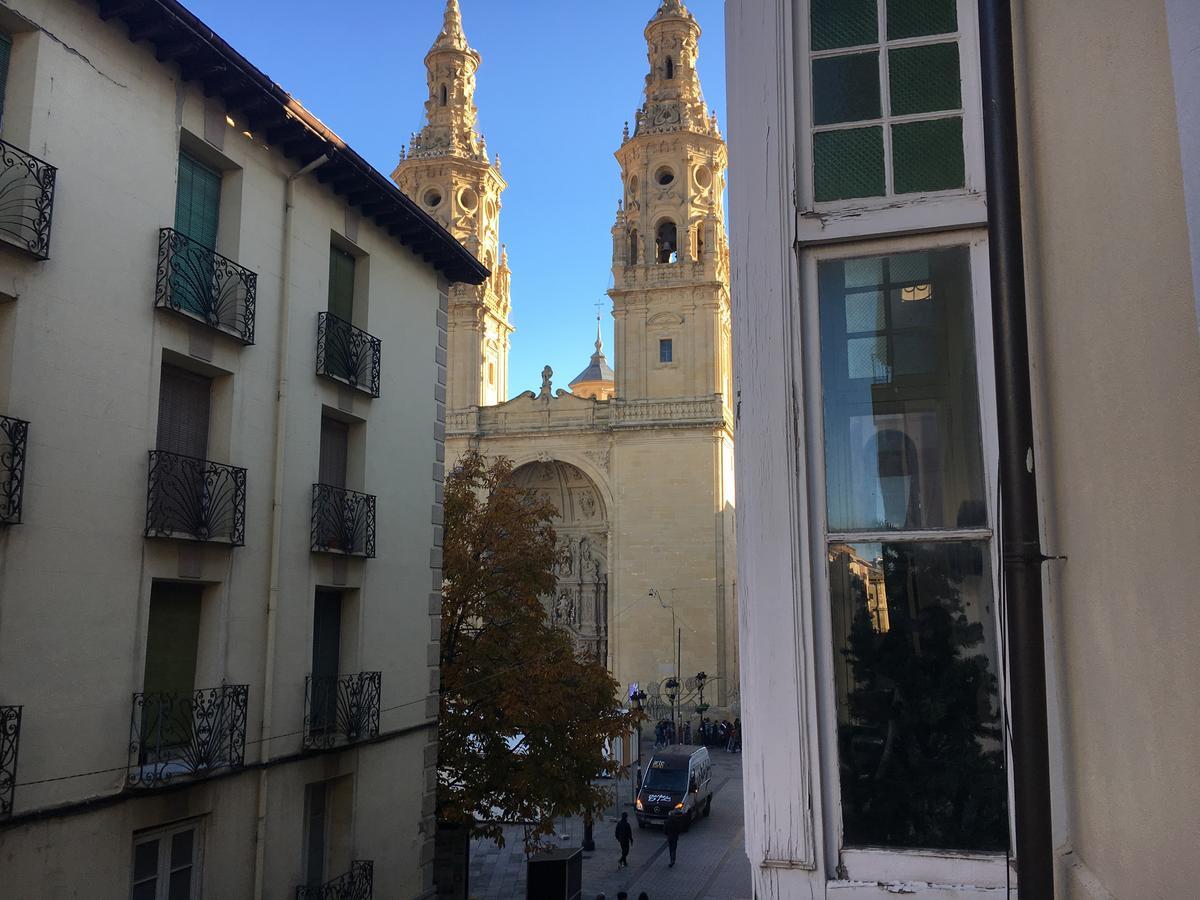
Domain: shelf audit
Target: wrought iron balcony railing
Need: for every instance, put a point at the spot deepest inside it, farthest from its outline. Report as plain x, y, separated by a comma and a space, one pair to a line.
343, 521
180, 735
341, 709
10, 739
196, 499
357, 884
26, 200
200, 283
14, 433
348, 354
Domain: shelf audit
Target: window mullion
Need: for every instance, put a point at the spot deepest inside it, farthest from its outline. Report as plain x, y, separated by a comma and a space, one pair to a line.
885, 102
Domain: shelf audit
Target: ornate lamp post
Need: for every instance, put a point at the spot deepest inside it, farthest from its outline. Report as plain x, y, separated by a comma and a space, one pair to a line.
701, 707
672, 686
636, 699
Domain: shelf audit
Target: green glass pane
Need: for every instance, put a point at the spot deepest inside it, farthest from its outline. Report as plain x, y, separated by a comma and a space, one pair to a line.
916, 18
848, 164
924, 79
846, 88
844, 23
928, 156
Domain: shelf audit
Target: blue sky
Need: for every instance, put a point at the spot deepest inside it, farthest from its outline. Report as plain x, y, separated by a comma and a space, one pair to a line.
558, 81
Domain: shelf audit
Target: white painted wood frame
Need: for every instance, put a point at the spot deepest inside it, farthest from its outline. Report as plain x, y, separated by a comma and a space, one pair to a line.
790, 753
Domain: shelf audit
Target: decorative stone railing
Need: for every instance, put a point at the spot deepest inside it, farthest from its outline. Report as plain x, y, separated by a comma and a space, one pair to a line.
636, 413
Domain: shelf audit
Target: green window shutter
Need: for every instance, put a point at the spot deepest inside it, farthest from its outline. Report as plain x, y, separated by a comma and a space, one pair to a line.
172, 638
197, 201
5, 52
341, 284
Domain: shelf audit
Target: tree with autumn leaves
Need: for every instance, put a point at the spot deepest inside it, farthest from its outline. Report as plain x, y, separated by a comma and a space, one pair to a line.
524, 717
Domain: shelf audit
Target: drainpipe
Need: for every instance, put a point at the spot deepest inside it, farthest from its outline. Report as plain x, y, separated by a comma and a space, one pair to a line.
1020, 534
285, 294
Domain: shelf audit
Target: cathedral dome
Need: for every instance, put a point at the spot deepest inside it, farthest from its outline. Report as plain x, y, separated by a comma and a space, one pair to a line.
597, 381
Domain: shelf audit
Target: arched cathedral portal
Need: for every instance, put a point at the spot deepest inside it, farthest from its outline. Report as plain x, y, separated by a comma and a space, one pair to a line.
580, 601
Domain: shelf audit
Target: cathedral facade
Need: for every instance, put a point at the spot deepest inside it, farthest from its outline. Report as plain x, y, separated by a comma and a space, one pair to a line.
638, 458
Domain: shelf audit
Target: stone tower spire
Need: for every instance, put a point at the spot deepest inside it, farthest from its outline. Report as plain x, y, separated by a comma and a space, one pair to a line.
446, 169
670, 255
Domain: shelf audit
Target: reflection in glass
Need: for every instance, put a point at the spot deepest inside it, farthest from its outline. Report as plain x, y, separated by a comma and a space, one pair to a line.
902, 438
919, 740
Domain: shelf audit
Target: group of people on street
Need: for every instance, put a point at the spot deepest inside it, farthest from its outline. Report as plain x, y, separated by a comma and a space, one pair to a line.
709, 733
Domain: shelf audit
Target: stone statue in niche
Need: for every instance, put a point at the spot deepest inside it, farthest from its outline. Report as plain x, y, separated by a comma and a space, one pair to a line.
567, 566
564, 610
587, 502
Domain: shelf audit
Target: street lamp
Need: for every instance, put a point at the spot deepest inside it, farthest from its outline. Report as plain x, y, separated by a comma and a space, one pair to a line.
678, 635
636, 699
701, 707
672, 686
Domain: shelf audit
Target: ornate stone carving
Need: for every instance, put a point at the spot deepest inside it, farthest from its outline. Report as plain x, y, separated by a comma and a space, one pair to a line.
599, 457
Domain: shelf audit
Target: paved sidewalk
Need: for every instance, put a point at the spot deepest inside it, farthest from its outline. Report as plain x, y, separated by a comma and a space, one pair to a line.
711, 864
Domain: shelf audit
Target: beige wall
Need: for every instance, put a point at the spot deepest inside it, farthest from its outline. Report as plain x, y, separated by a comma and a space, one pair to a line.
1117, 363
83, 348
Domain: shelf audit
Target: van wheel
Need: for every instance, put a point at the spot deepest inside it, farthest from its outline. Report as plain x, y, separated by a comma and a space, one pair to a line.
708, 807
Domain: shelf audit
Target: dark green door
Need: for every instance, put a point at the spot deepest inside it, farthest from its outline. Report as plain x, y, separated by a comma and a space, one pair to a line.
172, 641
197, 210
326, 659
5, 51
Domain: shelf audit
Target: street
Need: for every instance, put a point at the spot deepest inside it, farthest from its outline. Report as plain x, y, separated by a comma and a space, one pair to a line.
711, 865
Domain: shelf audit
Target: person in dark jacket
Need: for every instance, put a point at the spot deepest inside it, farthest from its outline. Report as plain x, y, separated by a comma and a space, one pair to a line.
625, 839
673, 827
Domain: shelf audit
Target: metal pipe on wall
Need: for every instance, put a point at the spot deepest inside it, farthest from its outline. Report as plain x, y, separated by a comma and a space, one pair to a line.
1020, 533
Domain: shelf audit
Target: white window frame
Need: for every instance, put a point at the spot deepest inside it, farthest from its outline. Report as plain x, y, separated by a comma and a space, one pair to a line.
164, 836
874, 216
986, 871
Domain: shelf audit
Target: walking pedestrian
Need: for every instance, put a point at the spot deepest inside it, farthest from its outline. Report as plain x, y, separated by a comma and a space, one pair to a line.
673, 826
625, 838
643, 896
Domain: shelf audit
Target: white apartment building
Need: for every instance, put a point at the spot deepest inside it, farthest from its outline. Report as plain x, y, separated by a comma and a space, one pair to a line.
966, 288
222, 387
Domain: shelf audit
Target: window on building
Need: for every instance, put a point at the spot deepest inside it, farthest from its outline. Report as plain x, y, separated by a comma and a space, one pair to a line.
665, 351
5, 53
887, 110
666, 242
172, 645
444, 96
670, 68
633, 247
491, 373
184, 401
909, 554
316, 833
326, 659
166, 863
335, 451
197, 201
341, 283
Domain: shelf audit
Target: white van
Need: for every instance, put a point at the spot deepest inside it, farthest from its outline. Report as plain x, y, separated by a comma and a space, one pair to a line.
678, 781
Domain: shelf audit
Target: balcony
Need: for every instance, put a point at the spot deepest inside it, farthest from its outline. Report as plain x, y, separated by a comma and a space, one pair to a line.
195, 499
341, 709
26, 200
10, 739
347, 354
184, 735
357, 884
14, 434
343, 522
201, 284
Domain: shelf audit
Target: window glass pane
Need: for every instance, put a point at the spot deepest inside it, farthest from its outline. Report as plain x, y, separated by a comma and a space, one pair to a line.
144, 891
181, 849
844, 23
846, 88
924, 79
902, 438
914, 18
928, 156
180, 887
145, 861
848, 164
665, 351
919, 738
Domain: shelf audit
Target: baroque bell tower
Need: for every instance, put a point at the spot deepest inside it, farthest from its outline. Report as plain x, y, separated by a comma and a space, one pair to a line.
670, 254
447, 171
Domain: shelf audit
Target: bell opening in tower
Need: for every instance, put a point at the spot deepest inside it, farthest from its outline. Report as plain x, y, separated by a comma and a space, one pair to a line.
666, 243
